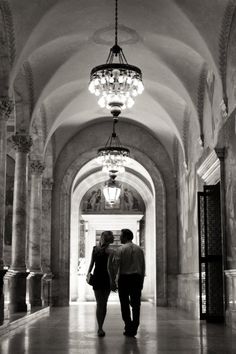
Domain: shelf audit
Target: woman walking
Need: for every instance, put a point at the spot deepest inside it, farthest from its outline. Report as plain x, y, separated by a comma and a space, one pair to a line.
102, 282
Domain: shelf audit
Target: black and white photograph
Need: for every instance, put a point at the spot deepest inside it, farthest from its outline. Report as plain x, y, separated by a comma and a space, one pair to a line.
118, 176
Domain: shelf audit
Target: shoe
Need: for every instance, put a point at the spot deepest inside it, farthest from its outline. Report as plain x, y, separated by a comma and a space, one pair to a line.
101, 333
129, 334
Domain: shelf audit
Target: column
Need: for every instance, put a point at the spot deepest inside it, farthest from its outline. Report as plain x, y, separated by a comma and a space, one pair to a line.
17, 274
35, 230
6, 106
46, 241
221, 152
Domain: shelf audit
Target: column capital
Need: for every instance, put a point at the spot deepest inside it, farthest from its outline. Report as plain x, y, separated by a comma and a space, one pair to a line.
22, 142
47, 183
37, 167
6, 107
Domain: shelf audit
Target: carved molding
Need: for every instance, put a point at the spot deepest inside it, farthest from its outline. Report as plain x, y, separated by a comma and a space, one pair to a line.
6, 108
186, 125
200, 99
9, 28
30, 83
176, 160
36, 167
209, 170
223, 110
44, 121
223, 45
47, 183
22, 142
230, 273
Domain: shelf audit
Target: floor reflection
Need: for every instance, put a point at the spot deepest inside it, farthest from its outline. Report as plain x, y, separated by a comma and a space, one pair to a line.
73, 330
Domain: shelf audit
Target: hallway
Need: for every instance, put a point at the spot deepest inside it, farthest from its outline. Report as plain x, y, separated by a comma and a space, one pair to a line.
163, 330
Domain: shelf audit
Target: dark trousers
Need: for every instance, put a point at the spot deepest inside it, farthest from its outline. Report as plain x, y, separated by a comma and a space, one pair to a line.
130, 287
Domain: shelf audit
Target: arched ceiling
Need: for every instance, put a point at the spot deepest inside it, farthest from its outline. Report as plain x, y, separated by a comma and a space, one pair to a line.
62, 40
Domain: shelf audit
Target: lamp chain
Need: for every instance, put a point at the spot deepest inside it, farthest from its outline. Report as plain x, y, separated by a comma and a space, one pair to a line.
116, 23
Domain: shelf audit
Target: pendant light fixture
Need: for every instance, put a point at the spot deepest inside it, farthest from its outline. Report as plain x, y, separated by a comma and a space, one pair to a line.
111, 190
113, 155
116, 83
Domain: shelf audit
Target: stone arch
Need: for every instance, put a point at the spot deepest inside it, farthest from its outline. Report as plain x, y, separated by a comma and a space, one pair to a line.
148, 196
151, 154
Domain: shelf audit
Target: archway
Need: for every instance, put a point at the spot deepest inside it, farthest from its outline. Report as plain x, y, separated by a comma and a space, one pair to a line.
146, 150
143, 184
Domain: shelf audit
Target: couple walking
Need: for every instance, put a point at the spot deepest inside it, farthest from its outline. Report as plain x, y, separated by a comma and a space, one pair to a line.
123, 269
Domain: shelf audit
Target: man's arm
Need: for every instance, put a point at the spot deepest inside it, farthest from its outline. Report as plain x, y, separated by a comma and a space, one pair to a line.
114, 266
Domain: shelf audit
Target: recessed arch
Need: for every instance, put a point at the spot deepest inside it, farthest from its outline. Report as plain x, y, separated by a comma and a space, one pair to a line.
151, 154
148, 197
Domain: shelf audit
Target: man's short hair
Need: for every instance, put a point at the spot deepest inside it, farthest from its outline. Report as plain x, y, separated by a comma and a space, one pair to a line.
128, 234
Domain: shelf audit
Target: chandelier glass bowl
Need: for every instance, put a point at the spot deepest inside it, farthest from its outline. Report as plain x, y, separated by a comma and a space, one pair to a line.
116, 83
113, 155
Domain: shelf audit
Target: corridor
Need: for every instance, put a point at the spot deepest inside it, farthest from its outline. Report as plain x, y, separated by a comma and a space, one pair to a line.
163, 330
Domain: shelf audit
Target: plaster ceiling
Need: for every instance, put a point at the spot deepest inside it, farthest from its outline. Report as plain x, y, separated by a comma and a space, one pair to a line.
170, 40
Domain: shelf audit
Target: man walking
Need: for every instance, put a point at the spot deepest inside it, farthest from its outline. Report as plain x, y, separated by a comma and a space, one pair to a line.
130, 265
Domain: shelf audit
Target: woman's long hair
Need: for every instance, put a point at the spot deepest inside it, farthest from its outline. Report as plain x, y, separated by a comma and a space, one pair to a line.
105, 240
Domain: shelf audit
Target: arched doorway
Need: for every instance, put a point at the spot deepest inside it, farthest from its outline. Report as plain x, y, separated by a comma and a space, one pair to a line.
150, 154
115, 220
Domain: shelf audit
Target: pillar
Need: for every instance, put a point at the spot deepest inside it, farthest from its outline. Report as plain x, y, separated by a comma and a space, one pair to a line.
35, 231
16, 276
46, 240
6, 106
221, 152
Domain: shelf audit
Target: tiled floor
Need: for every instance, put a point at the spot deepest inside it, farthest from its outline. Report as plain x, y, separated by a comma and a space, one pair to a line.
163, 330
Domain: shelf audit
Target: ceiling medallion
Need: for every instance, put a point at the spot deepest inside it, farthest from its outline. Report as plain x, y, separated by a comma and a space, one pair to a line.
116, 83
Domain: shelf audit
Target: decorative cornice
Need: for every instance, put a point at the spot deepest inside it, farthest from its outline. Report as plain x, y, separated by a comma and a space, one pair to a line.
9, 28
6, 108
223, 45
37, 167
22, 142
230, 272
47, 183
209, 170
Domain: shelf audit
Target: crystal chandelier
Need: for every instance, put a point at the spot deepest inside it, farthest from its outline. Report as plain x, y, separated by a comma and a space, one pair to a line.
111, 190
116, 84
113, 155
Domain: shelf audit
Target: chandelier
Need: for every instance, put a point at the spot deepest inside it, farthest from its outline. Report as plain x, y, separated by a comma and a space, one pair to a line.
113, 155
116, 84
111, 190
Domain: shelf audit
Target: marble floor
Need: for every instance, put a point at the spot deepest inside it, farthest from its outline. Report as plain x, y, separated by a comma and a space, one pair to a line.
163, 330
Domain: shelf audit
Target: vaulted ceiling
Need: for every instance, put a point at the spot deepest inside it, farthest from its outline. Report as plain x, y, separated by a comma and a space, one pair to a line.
58, 42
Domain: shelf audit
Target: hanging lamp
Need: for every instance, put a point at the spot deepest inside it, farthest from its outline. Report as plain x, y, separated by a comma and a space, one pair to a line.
113, 155
111, 190
116, 83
